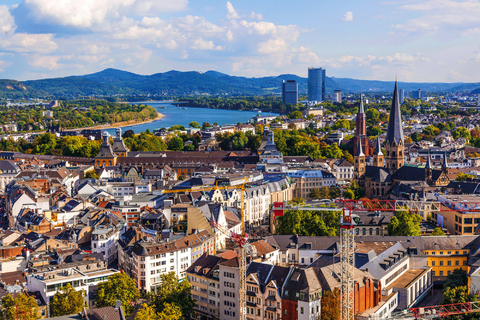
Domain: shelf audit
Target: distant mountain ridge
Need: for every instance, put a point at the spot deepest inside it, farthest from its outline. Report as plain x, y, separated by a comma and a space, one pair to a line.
110, 82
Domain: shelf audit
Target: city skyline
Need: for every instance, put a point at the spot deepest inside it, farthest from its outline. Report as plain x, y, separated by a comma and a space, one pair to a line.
427, 41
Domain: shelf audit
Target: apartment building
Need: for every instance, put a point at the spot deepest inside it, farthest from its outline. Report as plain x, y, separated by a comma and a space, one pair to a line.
80, 275
306, 180
400, 269
204, 277
264, 290
104, 241
146, 261
302, 250
130, 213
447, 253
229, 280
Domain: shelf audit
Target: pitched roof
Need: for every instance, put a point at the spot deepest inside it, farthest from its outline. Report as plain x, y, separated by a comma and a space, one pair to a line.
395, 125
377, 174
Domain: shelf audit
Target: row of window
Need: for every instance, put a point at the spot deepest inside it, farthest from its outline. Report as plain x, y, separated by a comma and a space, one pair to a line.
467, 220
446, 252
449, 263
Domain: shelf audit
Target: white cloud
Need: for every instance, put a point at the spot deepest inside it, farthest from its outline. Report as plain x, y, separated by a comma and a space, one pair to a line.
44, 62
7, 22
255, 16
445, 15
348, 16
4, 65
93, 14
23, 42
200, 44
232, 14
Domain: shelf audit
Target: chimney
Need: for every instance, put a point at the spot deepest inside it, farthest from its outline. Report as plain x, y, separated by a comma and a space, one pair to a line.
118, 304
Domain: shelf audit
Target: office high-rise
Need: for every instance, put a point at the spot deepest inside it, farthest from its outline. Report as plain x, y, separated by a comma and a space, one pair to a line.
337, 96
316, 84
290, 92
401, 95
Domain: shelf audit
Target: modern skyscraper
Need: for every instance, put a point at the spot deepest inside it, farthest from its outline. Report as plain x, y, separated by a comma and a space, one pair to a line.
290, 92
316, 84
337, 96
401, 97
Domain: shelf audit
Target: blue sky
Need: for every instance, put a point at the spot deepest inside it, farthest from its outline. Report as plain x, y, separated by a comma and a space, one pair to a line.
424, 40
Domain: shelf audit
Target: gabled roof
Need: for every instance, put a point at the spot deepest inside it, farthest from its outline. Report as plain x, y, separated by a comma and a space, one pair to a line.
377, 174
407, 173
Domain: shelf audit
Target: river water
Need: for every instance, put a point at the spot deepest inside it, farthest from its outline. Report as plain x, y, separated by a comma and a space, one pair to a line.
174, 115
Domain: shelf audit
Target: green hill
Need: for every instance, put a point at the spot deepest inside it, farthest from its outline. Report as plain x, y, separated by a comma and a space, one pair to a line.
113, 82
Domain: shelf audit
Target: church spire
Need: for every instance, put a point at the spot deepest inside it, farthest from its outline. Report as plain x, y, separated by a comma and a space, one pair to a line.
361, 109
395, 130
378, 148
429, 162
445, 163
359, 152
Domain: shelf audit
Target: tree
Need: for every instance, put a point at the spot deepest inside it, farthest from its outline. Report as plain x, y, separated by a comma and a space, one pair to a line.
457, 278
20, 308
194, 124
334, 192
461, 132
344, 123
171, 312
438, 232
461, 294
91, 175
331, 305
175, 144
405, 223
118, 287
464, 176
172, 293
206, 125
176, 127
67, 301
297, 200
314, 194
308, 223
146, 313
296, 115
324, 193
128, 134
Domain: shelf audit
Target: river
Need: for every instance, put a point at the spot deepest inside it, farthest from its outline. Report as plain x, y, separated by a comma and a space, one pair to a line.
174, 115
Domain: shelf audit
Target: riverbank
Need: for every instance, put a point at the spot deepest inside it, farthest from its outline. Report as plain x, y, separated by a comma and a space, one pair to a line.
120, 124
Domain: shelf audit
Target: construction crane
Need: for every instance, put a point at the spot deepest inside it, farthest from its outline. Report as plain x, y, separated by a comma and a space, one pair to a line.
347, 247
241, 240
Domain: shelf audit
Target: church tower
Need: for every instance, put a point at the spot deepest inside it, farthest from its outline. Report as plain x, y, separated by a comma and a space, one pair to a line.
428, 170
378, 154
445, 164
361, 131
106, 156
394, 144
359, 162
119, 146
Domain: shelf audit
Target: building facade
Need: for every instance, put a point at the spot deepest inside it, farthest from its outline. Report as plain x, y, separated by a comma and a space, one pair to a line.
316, 84
289, 92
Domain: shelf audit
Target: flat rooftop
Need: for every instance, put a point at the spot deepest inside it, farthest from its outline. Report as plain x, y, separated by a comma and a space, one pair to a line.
407, 278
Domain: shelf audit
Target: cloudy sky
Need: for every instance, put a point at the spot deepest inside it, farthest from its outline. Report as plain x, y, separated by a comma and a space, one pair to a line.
419, 40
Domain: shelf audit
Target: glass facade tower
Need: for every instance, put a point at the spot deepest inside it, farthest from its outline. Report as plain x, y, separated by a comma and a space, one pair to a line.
316, 84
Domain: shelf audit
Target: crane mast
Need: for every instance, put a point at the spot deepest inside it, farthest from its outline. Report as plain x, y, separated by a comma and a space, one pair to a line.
347, 256
239, 239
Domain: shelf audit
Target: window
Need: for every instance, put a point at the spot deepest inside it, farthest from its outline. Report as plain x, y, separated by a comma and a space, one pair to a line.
449, 263
467, 229
301, 310
441, 263
441, 273
457, 263
433, 263
467, 220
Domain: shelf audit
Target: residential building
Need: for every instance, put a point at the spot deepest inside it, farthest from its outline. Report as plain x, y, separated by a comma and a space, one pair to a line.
104, 241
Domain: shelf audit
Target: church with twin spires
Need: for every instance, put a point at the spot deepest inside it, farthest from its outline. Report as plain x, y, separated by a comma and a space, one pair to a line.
389, 170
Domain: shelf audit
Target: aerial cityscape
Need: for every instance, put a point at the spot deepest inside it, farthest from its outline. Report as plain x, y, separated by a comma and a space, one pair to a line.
240, 160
